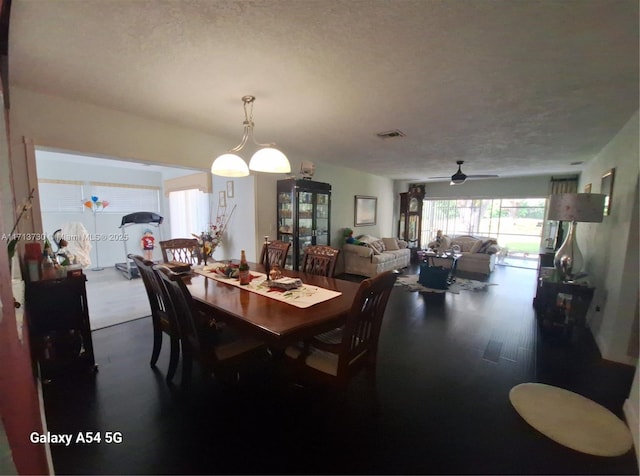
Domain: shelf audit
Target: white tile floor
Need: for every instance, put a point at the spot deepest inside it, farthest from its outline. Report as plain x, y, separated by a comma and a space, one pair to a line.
112, 298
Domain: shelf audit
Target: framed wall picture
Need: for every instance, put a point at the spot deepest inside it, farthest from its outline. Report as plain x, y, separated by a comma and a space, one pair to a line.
230, 188
222, 199
606, 187
365, 210
587, 188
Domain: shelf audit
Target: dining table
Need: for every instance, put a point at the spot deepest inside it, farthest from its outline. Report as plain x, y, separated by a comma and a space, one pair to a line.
278, 323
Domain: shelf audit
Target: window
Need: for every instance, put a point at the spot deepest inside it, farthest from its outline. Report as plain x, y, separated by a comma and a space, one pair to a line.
189, 212
516, 223
60, 196
125, 199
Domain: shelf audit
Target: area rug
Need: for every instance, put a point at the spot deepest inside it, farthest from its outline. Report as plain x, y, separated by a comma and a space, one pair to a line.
571, 419
460, 284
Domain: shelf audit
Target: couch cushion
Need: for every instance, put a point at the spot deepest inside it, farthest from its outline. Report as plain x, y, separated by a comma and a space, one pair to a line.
467, 256
398, 253
390, 244
383, 257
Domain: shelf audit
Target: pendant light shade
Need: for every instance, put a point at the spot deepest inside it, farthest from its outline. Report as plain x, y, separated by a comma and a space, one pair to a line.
268, 159
229, 165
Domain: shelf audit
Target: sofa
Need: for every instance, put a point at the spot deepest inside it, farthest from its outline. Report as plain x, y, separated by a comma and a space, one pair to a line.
374, 255
478, 253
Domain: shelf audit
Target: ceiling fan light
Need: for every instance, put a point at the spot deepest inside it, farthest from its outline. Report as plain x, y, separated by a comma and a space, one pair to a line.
458, 178
229, 165
270, 160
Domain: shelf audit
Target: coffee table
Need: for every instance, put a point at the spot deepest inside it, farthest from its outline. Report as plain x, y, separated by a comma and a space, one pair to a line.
446, 260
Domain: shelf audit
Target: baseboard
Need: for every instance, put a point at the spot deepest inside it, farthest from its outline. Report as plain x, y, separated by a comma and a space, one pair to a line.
631, 415
604, 352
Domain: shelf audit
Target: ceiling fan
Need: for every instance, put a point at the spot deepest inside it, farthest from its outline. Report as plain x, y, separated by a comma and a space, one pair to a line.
460, 177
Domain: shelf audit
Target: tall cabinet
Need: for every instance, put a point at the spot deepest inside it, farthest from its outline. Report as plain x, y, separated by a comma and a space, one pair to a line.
59, 326
304, 216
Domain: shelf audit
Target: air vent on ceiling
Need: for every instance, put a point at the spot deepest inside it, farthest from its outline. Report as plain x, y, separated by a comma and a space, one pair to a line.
394, 134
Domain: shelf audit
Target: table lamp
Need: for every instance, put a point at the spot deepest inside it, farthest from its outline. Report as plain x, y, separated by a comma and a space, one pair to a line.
574, 208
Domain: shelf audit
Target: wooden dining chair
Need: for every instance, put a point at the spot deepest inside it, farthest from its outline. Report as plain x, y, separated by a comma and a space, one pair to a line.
161, 318
320, 260
276, 251
183, 250
336, 356
219, 354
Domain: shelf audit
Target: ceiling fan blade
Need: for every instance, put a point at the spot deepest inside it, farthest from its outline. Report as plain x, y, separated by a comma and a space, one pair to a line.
482, 176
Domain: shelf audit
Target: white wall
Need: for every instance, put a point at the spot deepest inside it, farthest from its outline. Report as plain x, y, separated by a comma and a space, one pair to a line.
612, 246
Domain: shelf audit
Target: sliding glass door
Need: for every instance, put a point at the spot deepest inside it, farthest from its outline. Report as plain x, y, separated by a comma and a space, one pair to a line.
517, 223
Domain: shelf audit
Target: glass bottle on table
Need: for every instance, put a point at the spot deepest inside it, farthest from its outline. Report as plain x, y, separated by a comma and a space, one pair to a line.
267, 261
243, 270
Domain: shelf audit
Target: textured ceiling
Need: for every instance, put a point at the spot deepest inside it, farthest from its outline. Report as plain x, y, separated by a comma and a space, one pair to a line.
511, 87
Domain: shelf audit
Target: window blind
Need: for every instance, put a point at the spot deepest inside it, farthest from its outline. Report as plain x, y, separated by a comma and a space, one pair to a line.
124, 198
60, 196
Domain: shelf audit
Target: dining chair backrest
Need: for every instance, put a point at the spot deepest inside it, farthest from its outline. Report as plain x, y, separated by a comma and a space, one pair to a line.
182, 309
152, 286
161, 319
276, 251
361, 331
183, 250
320, 260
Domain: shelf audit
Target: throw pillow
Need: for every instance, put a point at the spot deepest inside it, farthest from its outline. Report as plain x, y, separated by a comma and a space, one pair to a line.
390, 244
486, 244
378, 246
476, 246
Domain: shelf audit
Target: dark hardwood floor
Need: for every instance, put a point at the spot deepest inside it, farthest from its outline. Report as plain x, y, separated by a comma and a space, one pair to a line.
445, 369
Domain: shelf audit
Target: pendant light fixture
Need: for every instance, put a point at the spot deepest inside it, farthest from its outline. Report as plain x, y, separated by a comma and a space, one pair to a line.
267, 159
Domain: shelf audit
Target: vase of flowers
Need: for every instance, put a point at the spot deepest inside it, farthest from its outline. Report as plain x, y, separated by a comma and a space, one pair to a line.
211, 238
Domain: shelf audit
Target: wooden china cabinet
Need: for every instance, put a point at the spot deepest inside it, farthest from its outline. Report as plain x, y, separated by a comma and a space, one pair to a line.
409, 228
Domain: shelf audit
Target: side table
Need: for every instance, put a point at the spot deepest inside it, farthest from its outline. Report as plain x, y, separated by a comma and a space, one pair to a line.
561, 306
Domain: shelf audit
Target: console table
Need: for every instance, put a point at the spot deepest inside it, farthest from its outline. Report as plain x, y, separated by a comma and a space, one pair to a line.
561, 306
59, 328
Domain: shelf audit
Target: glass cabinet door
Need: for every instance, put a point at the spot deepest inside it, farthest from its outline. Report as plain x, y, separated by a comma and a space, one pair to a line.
285, 221
305, 222
322, 219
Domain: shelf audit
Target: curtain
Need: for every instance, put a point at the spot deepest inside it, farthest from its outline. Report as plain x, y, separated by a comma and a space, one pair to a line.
564, 185
561, 185
189, 213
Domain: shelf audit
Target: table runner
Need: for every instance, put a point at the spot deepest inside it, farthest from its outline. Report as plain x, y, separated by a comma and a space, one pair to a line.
305, 296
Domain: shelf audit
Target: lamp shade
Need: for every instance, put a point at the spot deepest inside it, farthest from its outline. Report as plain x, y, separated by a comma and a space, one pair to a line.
576, 207
270, 160
229, 165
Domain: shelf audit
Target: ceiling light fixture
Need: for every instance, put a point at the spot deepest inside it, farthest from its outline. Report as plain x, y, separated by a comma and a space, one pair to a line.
267, 159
